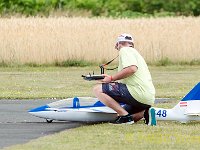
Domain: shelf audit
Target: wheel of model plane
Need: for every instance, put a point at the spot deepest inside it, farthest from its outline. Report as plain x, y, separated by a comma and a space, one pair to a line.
49, 121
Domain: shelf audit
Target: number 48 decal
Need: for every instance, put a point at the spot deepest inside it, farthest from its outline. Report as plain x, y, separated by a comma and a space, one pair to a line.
162, 113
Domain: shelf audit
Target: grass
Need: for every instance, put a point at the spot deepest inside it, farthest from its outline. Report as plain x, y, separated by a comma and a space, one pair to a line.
83, 63
50, 40
65, 63
73, 63
167, 135
61, 82
58, 82
40, 82
167, 62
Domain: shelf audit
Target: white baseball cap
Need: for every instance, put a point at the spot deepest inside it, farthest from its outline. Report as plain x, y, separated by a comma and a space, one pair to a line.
125, 38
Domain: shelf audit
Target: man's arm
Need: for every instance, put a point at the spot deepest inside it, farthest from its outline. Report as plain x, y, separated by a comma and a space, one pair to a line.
124, 73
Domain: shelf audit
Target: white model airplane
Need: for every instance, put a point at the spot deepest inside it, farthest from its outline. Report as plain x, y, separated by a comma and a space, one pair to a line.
74, 109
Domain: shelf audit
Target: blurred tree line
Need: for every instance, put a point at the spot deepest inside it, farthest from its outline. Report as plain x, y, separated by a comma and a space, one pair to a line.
114, 8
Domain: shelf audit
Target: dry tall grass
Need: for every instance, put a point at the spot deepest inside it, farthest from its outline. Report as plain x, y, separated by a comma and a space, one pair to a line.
45, 40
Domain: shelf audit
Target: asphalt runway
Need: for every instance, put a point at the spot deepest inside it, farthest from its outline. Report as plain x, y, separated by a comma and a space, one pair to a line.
18, 126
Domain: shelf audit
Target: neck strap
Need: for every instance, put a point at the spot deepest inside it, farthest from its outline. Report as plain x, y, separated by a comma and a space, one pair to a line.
104, 65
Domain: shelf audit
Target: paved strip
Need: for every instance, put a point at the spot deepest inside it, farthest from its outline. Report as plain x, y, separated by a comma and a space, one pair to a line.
18, 126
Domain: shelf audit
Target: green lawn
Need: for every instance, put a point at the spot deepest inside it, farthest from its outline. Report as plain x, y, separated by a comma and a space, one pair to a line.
55, 82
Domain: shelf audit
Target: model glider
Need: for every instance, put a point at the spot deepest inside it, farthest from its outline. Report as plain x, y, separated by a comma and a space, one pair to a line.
88, 109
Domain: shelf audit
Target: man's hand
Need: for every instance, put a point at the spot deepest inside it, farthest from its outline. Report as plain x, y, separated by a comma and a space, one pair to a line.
107, 78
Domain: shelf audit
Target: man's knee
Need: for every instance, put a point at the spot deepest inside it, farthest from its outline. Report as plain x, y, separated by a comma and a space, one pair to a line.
97, 89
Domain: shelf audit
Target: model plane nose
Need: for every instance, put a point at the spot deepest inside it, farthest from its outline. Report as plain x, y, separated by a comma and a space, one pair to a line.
38, 109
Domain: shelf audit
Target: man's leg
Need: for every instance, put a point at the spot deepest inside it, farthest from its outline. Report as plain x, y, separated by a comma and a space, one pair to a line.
138, 116
136, 111
108, 101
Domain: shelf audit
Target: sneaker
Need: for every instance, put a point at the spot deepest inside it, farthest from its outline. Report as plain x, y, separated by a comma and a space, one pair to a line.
124, 120
150, 117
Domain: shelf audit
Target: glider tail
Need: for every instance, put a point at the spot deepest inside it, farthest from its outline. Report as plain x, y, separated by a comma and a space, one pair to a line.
194, 94
190, 104
187, 109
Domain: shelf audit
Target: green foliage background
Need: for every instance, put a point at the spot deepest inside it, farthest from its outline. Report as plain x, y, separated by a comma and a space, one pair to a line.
114, 8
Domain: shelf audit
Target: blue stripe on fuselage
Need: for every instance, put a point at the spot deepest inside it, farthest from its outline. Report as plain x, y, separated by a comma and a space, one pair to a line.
41, 108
